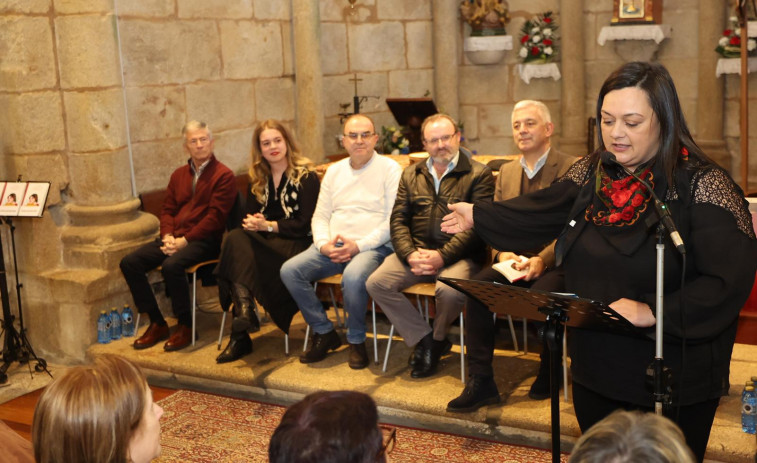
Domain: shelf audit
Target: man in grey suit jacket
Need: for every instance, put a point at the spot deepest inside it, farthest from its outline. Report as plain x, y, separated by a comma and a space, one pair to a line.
537, 167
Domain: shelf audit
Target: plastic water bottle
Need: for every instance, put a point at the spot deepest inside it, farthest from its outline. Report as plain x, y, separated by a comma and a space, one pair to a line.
103, 328
127, 321
115, 324
749, 410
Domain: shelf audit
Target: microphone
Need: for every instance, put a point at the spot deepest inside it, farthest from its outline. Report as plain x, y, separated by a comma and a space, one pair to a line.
662, 209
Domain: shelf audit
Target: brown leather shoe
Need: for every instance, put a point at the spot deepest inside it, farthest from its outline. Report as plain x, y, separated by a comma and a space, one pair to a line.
152, 336
181, 338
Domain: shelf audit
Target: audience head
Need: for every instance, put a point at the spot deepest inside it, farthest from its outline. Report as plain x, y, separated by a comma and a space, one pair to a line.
441, 138
359, 139
532, 127
632, 437
99, 413
639, 117
198, 141
328, 426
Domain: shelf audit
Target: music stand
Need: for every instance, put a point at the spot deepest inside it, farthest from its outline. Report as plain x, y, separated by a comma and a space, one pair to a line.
30, 199
557, 311
410, 113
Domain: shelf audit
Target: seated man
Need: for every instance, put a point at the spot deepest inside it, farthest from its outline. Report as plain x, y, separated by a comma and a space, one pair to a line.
538, 167
350, 236
192, 221
421, 251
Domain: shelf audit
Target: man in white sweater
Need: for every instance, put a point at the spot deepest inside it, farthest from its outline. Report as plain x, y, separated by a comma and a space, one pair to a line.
350, 236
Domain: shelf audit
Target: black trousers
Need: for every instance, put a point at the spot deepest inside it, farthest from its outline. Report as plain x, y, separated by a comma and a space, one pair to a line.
480, 325
148, 257
694, 420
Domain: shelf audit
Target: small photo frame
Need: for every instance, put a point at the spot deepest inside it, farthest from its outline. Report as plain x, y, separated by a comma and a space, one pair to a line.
34, 199
636, 12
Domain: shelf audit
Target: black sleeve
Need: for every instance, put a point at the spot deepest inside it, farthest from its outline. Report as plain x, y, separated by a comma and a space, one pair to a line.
298, 224
525, 222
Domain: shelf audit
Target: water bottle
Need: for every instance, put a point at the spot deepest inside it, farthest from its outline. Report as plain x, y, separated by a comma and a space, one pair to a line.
749, 410
115, 324
103, 328
127, 321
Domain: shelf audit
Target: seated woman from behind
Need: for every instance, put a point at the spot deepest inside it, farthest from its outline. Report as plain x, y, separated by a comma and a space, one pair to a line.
99, 413
281, 199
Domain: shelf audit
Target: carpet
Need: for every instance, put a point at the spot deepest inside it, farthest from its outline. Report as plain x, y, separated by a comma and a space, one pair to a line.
198, 427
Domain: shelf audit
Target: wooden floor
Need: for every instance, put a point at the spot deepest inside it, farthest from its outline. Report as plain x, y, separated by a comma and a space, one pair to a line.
18, 413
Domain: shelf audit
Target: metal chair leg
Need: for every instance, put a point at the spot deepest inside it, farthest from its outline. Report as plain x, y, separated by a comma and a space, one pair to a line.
525, 336
388, 348
220, 332
565, 363
375, 335
194, 306
462, 347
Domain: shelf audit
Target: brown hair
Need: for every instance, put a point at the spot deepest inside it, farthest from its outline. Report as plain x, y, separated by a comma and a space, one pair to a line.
90, 413
438, 117
297, 164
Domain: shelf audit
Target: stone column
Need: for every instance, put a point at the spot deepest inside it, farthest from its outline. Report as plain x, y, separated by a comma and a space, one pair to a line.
309, 77
709, 127
573, 118
445, 33
70, 129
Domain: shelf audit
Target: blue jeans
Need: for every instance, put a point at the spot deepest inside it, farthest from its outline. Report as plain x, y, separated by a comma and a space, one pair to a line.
300, 271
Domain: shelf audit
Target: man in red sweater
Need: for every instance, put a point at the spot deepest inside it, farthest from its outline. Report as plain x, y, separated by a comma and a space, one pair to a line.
192, 221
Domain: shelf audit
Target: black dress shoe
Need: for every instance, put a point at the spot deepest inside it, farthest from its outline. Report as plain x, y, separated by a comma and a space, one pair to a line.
479, 391
238, 347
417, 356
245, 318
322, 344
358, 356
540, 389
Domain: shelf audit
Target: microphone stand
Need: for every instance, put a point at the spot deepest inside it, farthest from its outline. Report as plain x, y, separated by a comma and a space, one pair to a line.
660, 374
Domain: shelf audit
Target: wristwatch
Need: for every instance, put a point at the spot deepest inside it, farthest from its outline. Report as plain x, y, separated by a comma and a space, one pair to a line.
270, 227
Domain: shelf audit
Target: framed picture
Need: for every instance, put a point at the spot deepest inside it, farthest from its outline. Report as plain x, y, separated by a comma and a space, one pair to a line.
636, 12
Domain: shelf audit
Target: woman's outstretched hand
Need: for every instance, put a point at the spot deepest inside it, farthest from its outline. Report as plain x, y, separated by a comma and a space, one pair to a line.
459, 219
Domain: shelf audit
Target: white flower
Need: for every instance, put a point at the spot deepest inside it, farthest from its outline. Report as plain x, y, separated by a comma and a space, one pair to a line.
534, 30
523, 52
723, 41
737, 32
548, 51
733, 19
751, 44
547, 32
536, 38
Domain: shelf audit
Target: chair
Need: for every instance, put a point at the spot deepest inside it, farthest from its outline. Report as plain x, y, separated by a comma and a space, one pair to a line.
193, 272
336, 280
427, 290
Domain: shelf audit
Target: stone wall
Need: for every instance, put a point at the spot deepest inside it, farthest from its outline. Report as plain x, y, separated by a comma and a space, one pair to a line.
93, 95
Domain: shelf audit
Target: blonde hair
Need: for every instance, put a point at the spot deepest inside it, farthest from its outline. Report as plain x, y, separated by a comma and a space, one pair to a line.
90, 413
297, 164
632, 437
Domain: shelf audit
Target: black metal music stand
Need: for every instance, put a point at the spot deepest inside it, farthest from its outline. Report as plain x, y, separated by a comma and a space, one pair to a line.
557, 311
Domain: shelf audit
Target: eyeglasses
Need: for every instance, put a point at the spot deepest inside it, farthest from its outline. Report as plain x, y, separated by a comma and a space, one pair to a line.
389, 440
444, 139
202, 140
354, 136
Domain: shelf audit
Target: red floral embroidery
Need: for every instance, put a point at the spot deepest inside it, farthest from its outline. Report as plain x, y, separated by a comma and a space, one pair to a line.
685, 154
625, 200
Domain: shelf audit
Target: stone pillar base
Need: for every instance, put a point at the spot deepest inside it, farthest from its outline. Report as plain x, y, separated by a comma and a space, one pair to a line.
573, 146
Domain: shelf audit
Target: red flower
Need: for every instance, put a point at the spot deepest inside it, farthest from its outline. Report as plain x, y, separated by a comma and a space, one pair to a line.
524, 39
621, 197
535, 51
685, 153
547, 42
735, 41
637, 200
627, 213
547, 20
727, 32
614, 217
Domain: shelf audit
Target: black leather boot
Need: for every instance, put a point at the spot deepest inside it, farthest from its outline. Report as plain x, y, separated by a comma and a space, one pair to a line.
245, 318
239, 346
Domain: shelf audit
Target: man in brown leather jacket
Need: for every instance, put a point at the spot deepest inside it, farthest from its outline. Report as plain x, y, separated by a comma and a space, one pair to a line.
422, 252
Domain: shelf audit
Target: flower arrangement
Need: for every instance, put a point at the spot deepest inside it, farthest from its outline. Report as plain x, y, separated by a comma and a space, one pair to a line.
486, 17
729, 45
393, 140
538, 39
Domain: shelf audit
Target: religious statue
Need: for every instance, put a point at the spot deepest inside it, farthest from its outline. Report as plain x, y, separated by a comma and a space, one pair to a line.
486, 17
